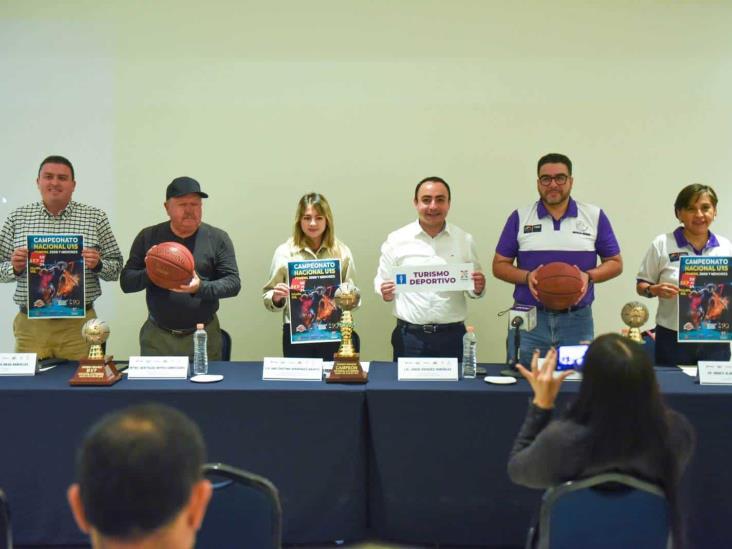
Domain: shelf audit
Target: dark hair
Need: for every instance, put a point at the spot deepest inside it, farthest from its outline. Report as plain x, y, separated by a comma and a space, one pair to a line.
691, 193
433, 179
554, 158
621, 405
136, 469
54, 159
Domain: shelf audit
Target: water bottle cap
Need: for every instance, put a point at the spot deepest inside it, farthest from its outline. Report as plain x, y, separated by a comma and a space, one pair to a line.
469, 329
199, 326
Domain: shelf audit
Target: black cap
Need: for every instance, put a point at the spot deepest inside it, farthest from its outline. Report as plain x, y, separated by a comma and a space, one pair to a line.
183, 185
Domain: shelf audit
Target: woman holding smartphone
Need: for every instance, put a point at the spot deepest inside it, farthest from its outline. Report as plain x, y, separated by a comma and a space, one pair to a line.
658, 276
313, 237
618, 423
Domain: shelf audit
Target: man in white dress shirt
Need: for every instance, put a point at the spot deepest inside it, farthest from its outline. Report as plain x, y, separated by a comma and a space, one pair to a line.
429, 324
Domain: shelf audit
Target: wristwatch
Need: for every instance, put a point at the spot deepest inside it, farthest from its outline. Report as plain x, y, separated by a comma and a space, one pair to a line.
647, 292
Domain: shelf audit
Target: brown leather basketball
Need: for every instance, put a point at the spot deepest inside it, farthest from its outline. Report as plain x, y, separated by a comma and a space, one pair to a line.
169, 265
559, 285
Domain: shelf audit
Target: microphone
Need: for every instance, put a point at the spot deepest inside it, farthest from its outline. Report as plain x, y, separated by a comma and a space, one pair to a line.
517, 322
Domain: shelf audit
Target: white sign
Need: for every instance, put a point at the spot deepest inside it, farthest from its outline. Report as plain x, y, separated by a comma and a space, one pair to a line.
292, 369
158, 367
17, 364
433, 278
427, 369
715, 373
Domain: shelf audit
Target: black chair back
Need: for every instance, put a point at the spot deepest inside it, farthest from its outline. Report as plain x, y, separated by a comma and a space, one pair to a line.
609, 510
225, 346
6, 534
244, 511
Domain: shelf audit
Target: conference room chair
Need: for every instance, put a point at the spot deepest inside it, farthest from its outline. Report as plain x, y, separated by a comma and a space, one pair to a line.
606, 511
6, 534
244, 511
225, 346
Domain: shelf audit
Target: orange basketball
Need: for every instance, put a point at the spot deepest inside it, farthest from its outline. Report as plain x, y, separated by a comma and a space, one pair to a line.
169, 265
559, 285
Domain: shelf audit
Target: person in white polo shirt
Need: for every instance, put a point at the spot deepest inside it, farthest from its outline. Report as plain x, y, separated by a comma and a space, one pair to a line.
429, 324
658, 276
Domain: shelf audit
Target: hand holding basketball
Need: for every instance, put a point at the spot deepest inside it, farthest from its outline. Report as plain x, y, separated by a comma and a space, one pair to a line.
170, 265
559, 285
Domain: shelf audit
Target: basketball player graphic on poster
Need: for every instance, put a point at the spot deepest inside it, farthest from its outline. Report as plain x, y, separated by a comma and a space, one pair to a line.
55, 276
314, 317
705, 286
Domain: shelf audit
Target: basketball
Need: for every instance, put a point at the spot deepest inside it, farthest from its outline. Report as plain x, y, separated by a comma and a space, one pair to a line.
559, 285
169, 265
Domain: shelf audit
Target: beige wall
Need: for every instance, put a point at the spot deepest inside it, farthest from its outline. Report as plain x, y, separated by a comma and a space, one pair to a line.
359, 100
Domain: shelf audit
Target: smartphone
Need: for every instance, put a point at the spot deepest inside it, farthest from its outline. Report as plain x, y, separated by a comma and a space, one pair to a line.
571, 357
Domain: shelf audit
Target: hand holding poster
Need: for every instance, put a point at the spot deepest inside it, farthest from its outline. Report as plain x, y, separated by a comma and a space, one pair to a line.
55, 276
704, 288
314, 317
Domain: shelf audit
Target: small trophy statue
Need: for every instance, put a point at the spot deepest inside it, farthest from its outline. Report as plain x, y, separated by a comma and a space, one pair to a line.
634, 314
346, 363
97, 369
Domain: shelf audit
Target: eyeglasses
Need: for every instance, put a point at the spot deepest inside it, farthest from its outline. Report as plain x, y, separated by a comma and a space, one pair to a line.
546, 180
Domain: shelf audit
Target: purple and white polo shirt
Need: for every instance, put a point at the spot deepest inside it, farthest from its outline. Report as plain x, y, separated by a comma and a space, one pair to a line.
533, 237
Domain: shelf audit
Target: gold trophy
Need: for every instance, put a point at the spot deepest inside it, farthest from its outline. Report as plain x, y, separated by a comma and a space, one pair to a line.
634, 314
346, 363
97, 369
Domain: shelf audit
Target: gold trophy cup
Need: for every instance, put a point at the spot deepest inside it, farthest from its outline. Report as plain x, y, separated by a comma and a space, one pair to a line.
97, 369
634, 314
346, 363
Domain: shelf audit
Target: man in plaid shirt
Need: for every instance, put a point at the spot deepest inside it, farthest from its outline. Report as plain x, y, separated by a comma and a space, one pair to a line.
56, 213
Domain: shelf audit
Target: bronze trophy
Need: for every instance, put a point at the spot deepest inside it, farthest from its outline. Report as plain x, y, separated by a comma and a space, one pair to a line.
346, 363
634, 314
97, 369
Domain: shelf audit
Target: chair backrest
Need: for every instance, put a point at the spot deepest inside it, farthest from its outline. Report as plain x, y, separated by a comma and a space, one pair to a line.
225, 346
244, 511
6, 534
609, 510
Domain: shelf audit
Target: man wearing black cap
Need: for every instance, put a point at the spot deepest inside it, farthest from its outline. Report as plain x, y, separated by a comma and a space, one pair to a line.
173, 314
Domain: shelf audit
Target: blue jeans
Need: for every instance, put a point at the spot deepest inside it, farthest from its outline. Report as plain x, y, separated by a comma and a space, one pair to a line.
553, 330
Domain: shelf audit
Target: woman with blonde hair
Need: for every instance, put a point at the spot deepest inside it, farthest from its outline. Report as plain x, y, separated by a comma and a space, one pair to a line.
313, 237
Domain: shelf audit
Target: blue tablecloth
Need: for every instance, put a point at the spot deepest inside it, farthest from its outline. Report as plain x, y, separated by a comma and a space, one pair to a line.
438, 454
307, 437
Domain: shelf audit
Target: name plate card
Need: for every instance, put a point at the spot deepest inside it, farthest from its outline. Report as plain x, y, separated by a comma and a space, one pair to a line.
158, 367
715, 372
17, 364
427, 369
433, 278
292, 369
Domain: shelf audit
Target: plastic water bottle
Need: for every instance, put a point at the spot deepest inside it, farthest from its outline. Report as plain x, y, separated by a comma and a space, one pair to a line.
200, 352
470, 359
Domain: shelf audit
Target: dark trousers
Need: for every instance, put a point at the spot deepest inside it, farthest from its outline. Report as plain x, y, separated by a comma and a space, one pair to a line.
410, 341
313, 350
670, 352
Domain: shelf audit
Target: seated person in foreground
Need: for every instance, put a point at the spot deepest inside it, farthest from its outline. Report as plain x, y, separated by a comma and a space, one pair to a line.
617, 423
139, 481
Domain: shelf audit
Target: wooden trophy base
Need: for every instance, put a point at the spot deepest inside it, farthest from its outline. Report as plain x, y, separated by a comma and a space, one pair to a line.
347, 369
96, 371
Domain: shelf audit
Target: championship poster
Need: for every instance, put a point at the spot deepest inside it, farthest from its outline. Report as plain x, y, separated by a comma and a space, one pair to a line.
314, 317
55, 276
705, 284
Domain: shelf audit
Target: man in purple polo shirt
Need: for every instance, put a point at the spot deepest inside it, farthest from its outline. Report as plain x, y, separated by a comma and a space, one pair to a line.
556, 228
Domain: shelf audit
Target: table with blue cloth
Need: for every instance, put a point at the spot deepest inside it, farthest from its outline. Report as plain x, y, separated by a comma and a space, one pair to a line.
307, 437
438, 454
404, 461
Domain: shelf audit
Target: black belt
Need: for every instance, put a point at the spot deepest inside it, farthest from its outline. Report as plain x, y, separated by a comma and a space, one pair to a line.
181, 332
429, 328
87, 307
572, 309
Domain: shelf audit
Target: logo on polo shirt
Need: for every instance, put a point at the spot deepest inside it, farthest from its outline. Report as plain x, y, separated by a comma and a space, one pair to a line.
401, 279
676, 255
581, 228
532, 229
